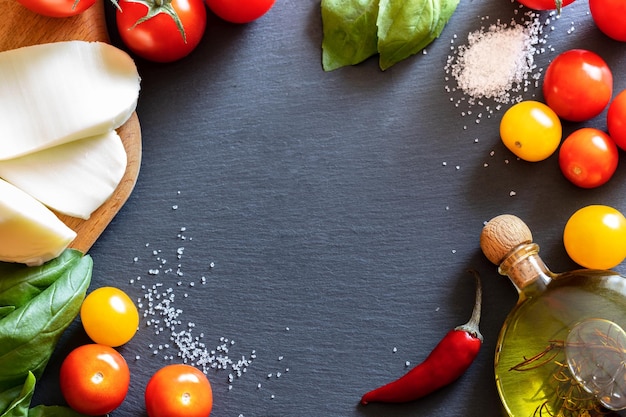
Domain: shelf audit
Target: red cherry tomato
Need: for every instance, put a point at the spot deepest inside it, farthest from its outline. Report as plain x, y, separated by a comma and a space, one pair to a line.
240, 11
544, 4
588, 157
94, 379
57, 8
179, 391
158, 38
616, 120
610, 17
578, 85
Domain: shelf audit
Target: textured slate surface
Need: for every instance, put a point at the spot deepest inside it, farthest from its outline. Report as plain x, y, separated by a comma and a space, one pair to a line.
333, 216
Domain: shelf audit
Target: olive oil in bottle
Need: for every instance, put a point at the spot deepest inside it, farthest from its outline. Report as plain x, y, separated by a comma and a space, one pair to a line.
562, 349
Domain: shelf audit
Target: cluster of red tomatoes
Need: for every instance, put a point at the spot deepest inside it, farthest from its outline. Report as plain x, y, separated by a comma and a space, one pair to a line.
160, 30
95, 378
577, 87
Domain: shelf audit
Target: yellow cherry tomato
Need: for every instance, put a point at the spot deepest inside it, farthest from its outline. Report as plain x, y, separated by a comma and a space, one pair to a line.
531, 130
109, 316
595, 237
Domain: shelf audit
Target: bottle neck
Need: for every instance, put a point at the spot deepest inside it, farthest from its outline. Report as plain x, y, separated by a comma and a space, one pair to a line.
526, 269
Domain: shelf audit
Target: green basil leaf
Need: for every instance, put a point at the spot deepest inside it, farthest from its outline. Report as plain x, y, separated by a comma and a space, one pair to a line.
20, 283
5, 310
8, 396
402, 25
349, 32
395, 29
20, 404
447, 9
16, 402
29, 334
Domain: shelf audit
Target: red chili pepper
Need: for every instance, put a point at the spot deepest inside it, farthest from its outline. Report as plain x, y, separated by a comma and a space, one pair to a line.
446, 363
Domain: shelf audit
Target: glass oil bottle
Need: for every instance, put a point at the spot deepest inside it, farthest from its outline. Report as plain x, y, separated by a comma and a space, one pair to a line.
561, 351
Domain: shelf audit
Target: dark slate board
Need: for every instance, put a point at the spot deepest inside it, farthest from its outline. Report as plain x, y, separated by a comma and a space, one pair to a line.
333, 215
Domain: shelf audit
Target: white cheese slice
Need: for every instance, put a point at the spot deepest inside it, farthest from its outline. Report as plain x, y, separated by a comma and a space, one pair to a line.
74, 178
30, 232
58, 92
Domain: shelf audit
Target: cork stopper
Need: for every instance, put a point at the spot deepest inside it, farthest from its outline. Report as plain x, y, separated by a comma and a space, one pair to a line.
501, 235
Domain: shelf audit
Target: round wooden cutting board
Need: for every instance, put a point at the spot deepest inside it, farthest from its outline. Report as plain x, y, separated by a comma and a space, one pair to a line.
21, 27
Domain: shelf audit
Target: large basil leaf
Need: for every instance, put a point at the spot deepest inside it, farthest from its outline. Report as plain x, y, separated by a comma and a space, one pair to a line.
16, 403
29, 334
9, 396
349, 32
416, 43
401, 28
19, 405
4, 310
19, 283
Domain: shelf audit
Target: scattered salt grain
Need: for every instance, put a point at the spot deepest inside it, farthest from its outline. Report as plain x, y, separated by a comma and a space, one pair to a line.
160, 314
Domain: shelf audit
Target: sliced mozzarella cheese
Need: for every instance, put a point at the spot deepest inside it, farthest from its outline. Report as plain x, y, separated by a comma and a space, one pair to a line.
30, 232
74, 178
55, 93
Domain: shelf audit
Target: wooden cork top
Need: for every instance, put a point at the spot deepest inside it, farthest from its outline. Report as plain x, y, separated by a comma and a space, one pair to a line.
501, 235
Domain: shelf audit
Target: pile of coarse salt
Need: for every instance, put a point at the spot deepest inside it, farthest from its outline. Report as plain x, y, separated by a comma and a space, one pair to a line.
497, 64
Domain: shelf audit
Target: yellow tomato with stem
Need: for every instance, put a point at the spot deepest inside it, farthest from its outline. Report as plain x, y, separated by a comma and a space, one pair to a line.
531, 130
595, 237
109, 316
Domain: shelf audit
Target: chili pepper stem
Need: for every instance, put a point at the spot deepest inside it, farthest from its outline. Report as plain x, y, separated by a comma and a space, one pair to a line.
471, 326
